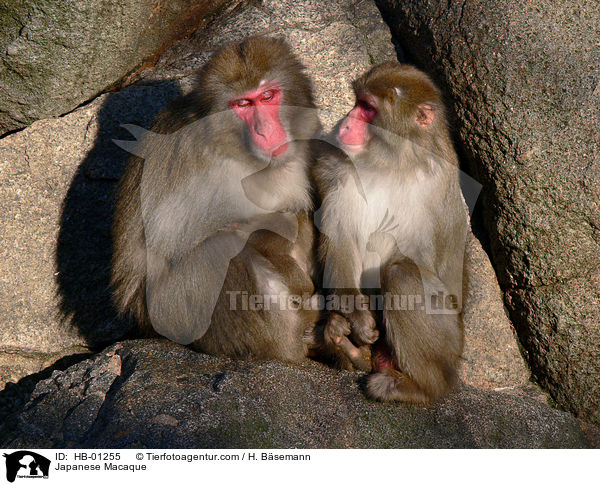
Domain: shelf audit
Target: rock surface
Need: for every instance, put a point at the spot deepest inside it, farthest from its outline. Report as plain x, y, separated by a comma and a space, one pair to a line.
55, 219
491, 357
524, 82
157, 394
56, 55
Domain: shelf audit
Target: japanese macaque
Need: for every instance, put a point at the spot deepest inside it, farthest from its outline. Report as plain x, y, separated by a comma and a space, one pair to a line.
393, 225
212, 228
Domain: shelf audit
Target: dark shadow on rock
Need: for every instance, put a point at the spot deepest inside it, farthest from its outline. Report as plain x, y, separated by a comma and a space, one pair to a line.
15, 395
84, 246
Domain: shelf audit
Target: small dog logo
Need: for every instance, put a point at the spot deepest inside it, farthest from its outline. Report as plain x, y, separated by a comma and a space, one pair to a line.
26, 464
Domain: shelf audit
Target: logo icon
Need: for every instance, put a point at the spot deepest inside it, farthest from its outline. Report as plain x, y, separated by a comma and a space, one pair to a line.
26, 464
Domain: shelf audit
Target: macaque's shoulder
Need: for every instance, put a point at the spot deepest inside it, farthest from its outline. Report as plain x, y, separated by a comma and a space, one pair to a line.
332, 167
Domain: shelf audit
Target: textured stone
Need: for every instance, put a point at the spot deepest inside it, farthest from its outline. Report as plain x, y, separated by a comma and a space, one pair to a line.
56, 55
55, 218
166, 396
491, 358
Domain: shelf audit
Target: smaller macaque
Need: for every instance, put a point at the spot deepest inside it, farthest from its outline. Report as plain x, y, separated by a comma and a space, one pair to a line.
393, 223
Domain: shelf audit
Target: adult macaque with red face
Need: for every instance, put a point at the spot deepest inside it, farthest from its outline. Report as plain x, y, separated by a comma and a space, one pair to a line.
212, 229
394, 224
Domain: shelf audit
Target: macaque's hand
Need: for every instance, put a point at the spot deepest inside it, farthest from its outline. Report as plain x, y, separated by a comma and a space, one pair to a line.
383, 236
363, 327
336, 333
283, 223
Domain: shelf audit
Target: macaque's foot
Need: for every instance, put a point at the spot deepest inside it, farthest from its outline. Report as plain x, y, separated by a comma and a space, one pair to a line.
337, 330
363, 327
393, 385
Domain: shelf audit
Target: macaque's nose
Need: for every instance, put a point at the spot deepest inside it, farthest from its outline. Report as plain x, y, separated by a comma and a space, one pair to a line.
262, 125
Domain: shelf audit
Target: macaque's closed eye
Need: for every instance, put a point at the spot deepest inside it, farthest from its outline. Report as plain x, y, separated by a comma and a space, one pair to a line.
257, 98
243, 103
366, 110
267, 95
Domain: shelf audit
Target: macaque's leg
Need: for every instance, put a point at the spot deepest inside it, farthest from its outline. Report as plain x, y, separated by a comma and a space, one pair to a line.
425, 347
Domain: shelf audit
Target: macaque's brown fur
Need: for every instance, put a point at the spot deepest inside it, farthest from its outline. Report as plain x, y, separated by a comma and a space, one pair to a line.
394, 192
158, 268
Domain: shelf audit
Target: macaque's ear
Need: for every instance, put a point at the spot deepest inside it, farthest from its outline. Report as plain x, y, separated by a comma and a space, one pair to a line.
425, 115
392, 94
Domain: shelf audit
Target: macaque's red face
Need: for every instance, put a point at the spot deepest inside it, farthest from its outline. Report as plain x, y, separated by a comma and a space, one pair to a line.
259, 109
354, 131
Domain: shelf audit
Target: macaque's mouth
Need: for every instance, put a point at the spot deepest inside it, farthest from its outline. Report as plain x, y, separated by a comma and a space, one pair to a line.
278, 150
360, 143
353, 148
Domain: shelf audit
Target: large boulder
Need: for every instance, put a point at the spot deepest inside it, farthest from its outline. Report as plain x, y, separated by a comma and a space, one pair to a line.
524, 84
491, 356
157, 394
56, 55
